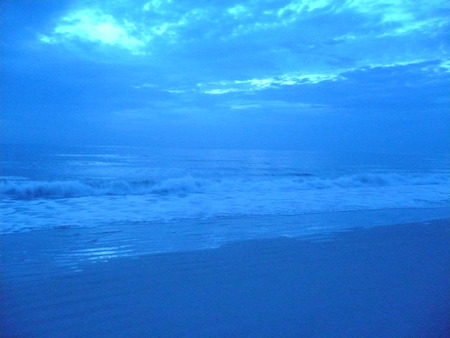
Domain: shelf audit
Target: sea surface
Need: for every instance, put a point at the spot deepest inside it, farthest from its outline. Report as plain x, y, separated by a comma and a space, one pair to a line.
120, 201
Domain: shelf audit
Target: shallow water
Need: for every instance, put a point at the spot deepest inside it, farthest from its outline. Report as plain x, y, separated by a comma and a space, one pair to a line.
40, 252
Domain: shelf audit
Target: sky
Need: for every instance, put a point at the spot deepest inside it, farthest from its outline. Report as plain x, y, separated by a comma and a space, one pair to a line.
308, 75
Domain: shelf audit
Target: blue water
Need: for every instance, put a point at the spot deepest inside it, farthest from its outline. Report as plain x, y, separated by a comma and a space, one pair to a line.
80, 227
182, 198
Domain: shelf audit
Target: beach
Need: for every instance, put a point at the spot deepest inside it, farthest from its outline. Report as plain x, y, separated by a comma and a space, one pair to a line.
384, 281
225, 169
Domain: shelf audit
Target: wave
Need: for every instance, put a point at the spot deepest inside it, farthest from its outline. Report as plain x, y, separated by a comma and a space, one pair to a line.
69, 189
20, 189
379, 180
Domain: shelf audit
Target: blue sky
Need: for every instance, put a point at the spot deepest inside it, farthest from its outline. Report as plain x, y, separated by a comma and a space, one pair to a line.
254, 74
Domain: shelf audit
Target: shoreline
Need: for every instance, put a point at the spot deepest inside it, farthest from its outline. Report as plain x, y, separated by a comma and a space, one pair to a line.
379, 281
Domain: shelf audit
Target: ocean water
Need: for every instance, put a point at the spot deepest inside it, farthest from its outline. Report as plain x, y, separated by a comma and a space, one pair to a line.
126, 200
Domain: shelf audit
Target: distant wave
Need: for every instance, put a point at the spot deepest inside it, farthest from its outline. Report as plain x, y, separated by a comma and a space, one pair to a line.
360, 180
21, 189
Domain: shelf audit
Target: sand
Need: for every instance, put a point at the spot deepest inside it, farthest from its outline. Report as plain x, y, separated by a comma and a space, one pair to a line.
387, 281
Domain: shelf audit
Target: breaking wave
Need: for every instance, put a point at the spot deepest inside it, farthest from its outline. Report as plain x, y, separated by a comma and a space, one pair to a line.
22, 189
69, 189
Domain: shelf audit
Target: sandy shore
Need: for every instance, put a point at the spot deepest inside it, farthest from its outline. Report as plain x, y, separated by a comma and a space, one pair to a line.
390, 281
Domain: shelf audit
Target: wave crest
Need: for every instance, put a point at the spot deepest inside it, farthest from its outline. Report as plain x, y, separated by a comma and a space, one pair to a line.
20, 189
68, 189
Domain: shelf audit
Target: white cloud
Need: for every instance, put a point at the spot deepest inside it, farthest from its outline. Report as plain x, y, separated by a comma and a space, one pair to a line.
389, 10
158, 21
296, 7
415, 26
94, 26
245, 106
275, 106
156, 5
251, 85
222, 91
407, 16
239, 11
445, 64
296, 78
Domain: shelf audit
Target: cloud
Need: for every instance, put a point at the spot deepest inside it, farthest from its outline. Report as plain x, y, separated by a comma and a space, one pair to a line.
156, 5
249, 85
256, 40
238, 12
276, 107
402, 16
256, 84
222, 91
295, 79
445, 65
246, 106
409, 90
90, 25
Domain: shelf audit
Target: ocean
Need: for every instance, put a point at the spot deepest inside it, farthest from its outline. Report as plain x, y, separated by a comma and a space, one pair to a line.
137, 242
136, 200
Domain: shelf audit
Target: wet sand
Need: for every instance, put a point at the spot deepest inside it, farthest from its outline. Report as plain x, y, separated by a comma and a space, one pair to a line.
387, 281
